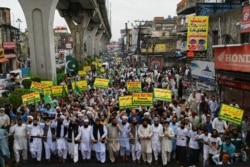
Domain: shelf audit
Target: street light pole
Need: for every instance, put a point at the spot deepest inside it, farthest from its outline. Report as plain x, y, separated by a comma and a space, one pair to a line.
138, 49
18, 41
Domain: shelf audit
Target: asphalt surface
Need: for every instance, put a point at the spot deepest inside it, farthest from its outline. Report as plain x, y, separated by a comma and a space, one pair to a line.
94, 163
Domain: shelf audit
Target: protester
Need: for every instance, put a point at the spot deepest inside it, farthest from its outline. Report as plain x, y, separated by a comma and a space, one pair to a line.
93, 120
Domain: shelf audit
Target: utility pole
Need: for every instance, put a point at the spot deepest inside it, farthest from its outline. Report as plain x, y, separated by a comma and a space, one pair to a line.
138, 49
18, 42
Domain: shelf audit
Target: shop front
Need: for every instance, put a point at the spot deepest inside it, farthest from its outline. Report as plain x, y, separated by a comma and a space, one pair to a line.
232, 64
10, 55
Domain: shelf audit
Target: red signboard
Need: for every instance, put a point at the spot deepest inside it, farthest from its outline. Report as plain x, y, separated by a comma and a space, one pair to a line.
9, 45
233, 58
245, 20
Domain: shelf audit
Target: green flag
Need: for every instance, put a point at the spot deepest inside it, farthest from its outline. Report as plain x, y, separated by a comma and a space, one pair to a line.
64, 92
48, 100
77, 91
71, 66
55, 81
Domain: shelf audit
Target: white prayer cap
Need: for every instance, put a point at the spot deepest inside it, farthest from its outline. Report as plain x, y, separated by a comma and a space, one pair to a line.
174, 112
83, 111
89, 112
58, 108
2, 109
80, 115
146, 113
156, 119
62, 117
124, 117
30, 117
86, 120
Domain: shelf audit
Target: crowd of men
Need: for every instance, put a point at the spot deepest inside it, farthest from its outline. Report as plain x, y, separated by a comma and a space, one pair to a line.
178, 131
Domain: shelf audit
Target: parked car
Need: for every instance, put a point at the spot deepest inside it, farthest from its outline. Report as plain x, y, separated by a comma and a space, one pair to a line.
7, 84
4, 93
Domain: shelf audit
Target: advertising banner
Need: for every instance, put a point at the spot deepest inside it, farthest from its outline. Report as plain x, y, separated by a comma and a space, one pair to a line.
232, 58
231, 114
203, 70
125, 102
31, 98
36, 86
162, 94
197, 33
58, 90
82, 85
48, 83
142, 99
245, 20
134, 86
101, 83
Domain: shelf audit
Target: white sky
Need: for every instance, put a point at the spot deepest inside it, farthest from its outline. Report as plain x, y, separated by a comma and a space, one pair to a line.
122, 11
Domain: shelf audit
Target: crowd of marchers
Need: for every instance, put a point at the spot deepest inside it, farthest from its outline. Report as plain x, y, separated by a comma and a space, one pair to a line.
178, 131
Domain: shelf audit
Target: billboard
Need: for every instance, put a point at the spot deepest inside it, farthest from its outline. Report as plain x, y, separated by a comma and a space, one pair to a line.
203, 70
232, 58
245, 20
197, 33
159, 48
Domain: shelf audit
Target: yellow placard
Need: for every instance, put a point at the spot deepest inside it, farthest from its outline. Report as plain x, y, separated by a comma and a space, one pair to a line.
231, 114
102, 69
58, 90
134, 86
82, 73
47, 90
197, 33
36, 86
31, 98
162, 94
87, 68
48, 83
125, 102
82, 85
99, 60
118, 59
142, 99
101, 83
94, 63
99, 65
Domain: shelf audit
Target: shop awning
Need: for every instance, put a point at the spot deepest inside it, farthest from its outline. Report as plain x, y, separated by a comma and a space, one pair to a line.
4, 60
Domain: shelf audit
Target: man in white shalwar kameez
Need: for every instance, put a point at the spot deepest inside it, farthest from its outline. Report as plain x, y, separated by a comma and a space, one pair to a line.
124, 136
35, 133
156, 143
145, 133
73, 143
98, 137
61, 143
49, 140
166, 143
19, 131
84, 137
134, 141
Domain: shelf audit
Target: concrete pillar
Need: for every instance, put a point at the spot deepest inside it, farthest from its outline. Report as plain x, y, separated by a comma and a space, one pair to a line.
98, 37
39, 16
90, 34
78, 31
